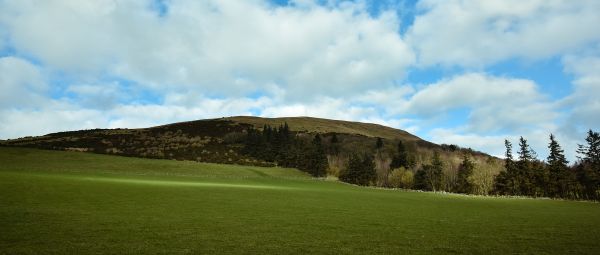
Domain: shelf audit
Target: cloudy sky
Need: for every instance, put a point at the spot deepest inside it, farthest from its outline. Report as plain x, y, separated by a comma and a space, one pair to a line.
470, 73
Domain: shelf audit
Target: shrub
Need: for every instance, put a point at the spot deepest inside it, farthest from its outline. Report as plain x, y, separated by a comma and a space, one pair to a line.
401, 178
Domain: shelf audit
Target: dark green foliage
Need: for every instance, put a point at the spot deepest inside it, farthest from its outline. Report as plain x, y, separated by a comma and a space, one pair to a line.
429, 177
317, 160
401, 158
379, 143
588, 169
334, 145
420, 182
505, 182
465, 170
560, 179
279, 146
361, 170
529, 177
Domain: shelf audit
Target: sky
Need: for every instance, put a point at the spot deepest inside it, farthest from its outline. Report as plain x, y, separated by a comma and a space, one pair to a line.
471, 73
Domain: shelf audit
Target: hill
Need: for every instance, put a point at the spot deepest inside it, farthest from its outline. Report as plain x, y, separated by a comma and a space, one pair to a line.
225, 140
57, 202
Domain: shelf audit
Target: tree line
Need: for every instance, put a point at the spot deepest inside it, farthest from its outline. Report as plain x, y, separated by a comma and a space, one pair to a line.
281, 146
524, 175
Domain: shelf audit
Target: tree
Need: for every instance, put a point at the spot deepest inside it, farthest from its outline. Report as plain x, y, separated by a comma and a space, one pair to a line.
505, 183
559, 175
588, 169
590, 152
531, 173
465, 171
317, 161
435, 175
360, 171
379, 143
401, 178
400, 159
334, 147
429, 177
524, 172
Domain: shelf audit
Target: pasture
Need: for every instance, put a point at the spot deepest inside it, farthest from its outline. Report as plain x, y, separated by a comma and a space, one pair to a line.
54, 202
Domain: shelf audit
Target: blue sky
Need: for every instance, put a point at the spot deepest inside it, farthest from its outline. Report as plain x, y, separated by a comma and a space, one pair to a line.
471, 73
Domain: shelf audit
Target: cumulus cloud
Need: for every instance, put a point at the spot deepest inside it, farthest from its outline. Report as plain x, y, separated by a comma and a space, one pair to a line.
584, 102
222, 47
21, 82
478, 33
493, 103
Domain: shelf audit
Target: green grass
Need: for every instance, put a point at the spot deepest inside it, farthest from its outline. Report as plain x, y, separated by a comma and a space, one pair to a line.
67, 202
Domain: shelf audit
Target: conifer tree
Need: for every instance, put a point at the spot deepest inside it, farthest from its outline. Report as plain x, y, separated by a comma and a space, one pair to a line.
588, 169
360, 171
379, 143
464, 172
334, 145
559, 175
318, 160
505, 181
400, 159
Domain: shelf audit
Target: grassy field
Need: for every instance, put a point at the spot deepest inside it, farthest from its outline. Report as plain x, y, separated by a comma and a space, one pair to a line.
68, 202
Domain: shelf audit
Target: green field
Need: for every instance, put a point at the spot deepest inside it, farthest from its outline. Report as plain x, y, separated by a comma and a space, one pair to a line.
68, 202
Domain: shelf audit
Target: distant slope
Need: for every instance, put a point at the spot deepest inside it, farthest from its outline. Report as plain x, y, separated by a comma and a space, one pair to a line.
221, 140
318, 125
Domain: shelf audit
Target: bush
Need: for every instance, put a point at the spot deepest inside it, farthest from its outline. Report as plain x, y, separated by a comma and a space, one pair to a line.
401, 178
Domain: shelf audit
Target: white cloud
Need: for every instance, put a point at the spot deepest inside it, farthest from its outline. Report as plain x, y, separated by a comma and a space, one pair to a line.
28, 122
227, 47
584, 103
494, 103
21, 83
477, 33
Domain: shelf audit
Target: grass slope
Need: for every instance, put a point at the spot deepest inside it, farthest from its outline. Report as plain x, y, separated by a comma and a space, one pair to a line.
67, 202
319, 125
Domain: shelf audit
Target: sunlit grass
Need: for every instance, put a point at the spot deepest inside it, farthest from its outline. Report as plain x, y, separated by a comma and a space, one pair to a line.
78, 203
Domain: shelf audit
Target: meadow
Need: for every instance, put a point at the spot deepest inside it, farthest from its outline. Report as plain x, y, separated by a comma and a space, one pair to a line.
54, 202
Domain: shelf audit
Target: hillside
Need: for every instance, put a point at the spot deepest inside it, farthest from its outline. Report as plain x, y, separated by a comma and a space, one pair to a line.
224, 140
319, 125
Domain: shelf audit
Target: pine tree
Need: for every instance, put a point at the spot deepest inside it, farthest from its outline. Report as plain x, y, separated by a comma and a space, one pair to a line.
429, 177
464, 172
334, 145
588, 169
360, 171
559, 175
379, 143
504, 183
400, 159
318, 160
531, 174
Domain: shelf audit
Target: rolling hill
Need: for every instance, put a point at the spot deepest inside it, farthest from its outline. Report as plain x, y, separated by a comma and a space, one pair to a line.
223, 140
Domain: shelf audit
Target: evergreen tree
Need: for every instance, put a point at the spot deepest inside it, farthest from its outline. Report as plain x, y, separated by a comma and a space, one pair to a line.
506, 182
420, 182
379, 143
588, 169
317, 160
465, 170
334, 145
559, 174
590, 152
435, 175
360, 171
429, 177
531, 174
400, 159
